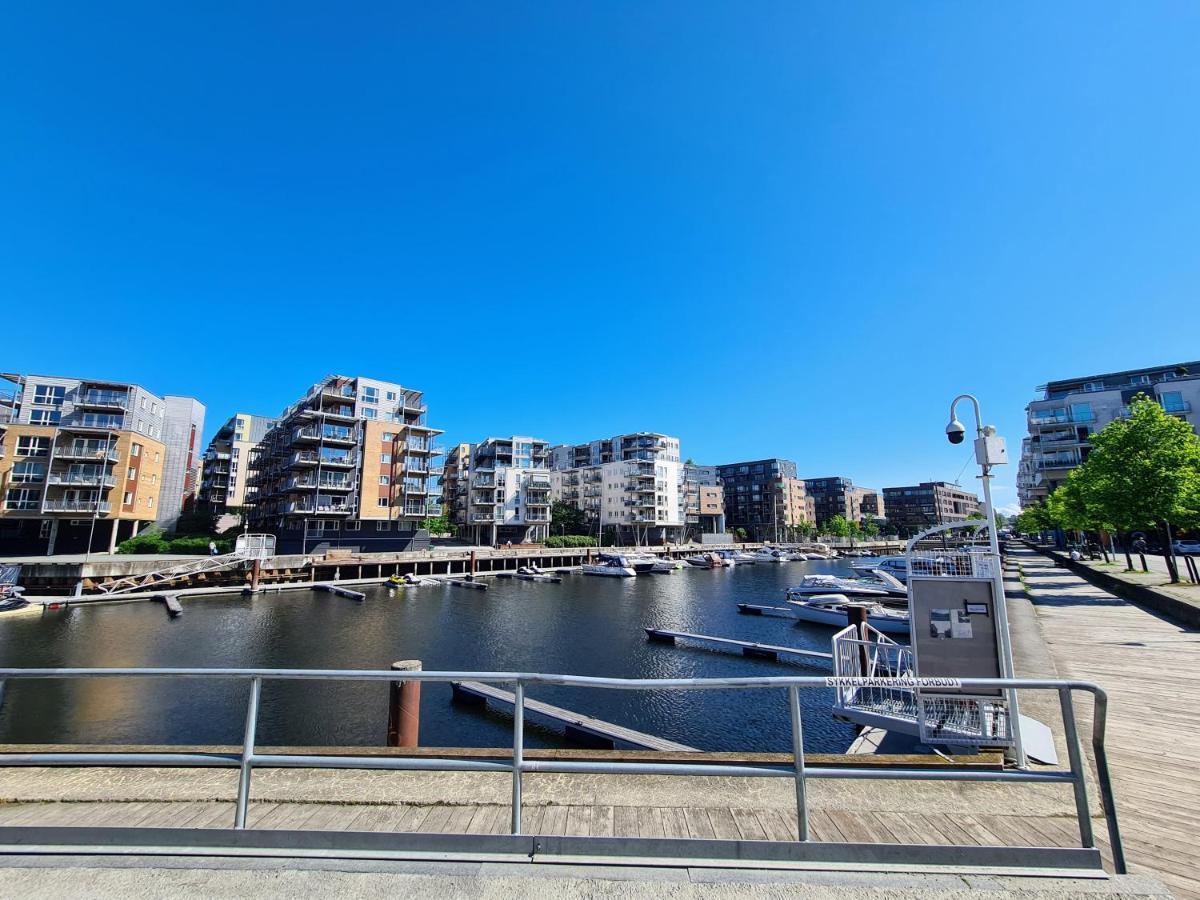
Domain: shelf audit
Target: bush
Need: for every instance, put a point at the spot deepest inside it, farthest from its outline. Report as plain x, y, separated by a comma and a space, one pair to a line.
147, 542
570, 540
153, 541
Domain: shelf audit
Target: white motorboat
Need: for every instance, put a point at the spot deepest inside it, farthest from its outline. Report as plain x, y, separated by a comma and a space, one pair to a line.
707, 561
652, 564
813, 585
641, 565
769, 555
896, 566
739, 556
830, 609
610, 565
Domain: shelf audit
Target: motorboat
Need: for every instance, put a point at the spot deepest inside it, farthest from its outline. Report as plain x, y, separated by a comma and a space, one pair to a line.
831, 609
769, 555
736, 557
611, 565
816, 584
707, 561
411, 580
652, 564
896, 566
641, 565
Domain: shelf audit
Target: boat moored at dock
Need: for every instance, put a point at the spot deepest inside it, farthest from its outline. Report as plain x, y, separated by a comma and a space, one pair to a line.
831, 609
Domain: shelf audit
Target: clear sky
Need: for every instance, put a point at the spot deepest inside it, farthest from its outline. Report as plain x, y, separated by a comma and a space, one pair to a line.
773, 229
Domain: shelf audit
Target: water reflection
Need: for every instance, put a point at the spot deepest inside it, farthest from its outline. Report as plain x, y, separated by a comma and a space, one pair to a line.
585, 626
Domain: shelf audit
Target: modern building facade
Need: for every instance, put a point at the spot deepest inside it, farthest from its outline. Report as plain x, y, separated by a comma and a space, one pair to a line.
348, 465
628, 486
84, 463
498, 491
838, 496
703, 501
765, 498
183, 429
915, 507
226, 470
1062, 420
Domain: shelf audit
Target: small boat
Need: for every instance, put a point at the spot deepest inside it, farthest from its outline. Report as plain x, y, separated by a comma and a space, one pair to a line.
641, 565
768, 555
707, 561
16, 605
896, 566
830, 609
740, 556
816, 584
610, 565
411, 580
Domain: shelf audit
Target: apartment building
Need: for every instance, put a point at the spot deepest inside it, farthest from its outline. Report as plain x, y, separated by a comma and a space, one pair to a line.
498, 491
703, 501
348, 465
872, 505
87, 463
1062, 420
765, 498
628, 485
837, 496
226, 470
913, 508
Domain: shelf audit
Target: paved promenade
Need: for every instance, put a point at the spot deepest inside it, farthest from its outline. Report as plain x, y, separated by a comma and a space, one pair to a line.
1149, 665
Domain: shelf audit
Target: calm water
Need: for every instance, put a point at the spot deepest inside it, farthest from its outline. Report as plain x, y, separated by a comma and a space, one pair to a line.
584, 626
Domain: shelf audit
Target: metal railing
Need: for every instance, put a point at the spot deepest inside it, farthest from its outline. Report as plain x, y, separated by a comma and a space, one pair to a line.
248, 759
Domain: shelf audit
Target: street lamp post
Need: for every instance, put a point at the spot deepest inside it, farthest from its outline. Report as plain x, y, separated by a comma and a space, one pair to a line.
990, 451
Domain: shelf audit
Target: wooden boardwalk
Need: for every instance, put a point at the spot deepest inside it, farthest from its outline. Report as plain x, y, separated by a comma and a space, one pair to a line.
596, 728
1150, 668
596, 820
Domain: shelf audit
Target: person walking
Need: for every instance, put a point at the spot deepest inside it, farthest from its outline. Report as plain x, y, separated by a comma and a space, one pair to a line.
212, 548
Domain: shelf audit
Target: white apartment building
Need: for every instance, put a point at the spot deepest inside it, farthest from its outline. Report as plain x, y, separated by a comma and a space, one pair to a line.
628, 486
1062, 421
498, 491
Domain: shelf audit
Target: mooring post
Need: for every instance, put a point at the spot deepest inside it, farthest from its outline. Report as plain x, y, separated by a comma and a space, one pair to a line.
404, 707
472, 563
255, 573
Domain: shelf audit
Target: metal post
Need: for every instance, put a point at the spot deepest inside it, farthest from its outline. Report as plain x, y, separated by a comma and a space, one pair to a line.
518, 753
1087, 839
243, 798
1104, 777
798, 763
404, 710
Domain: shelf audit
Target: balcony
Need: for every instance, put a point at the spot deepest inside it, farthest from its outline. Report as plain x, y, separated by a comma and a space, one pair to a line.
115, 400
105, 421
89, 507
327, 435
338, 484
537, 483
1058, 463
82, 479
640, 487
478, 482
1061, 418
88, 451
301, 483
338, 412
308, 508
483, 517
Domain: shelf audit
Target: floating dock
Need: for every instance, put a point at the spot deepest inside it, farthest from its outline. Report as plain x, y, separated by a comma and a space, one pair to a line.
171, 602
749, 609
766, 651
341, 591
476, 585
548, 579
576, 725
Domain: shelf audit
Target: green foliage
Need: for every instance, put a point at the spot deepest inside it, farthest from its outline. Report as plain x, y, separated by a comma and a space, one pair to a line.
152, 540
197, 521
570, 540
739, 534
838, 527
869, 527
149, 541
567, 519
437, 525
1143, 471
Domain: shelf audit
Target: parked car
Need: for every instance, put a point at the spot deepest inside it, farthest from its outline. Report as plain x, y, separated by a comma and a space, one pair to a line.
1186, 548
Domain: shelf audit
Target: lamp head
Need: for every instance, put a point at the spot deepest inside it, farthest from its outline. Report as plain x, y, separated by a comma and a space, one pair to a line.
955, 432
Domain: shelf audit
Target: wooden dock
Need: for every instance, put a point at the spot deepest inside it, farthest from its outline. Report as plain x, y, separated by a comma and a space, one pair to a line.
171, 602
340, 591
575, 724
749, 609
1147, 663
749, 648
475, 585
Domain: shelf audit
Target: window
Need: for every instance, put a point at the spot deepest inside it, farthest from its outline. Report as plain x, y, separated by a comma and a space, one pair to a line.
385, 479
369, 413
391, 395
370, 395
150, 501
353, 526
1172, 401
387, 436
385, 458
384, 526
153, 479
22, 499
28, 445
132, 474
128, 500
156, 454
44, 528
136, 450
383, 501
48, 394
25, 472
44, 416
154, 408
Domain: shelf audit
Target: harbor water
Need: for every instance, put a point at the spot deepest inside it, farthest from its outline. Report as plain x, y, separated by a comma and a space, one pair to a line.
584, 626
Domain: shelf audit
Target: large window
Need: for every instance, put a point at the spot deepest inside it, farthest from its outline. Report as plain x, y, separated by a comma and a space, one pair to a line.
49, 394
44, 416
25, 472
28, 445
22, 499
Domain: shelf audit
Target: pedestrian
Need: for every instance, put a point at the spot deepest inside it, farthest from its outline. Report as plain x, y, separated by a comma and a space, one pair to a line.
212, 548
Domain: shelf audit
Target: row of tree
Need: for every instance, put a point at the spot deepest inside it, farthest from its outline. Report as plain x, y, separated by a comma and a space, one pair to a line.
1142, 473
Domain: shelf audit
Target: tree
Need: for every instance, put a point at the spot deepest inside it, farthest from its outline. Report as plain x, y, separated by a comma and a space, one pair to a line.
869, 526
437, 525
567, 518
838, 526
1143, 471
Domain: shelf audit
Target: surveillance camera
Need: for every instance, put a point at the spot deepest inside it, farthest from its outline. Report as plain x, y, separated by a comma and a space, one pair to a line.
955, 432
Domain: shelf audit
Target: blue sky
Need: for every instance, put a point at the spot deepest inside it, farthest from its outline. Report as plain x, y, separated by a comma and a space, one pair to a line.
789, 229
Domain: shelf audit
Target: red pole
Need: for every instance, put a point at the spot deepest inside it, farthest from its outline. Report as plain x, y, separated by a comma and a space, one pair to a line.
404, 708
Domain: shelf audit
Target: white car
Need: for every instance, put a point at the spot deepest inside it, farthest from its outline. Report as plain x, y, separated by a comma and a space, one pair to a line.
1187, 548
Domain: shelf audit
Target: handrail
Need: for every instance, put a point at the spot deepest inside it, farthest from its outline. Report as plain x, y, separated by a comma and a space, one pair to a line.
247, 760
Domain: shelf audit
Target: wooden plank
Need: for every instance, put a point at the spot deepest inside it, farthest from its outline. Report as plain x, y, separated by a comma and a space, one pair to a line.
673, 822
625, 821
588, 724
554, 820
579, 820
698, 823
604, 821
724, 825
748, 825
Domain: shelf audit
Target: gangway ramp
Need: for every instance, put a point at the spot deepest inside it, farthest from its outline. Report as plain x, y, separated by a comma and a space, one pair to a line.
575, 723
249, 547
748, 648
